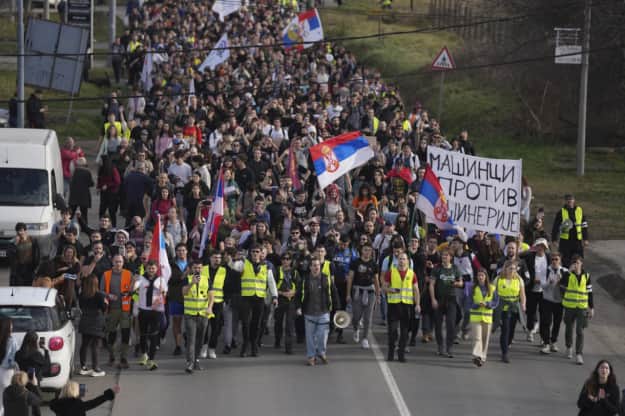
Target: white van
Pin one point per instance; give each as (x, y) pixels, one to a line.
(31, 185)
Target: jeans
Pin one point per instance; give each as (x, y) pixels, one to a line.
(550, 320)
(575, 317)
(363, 312)
(481, 336)
(448, 309)
(317, 328)
(508, 325)
(195, 328)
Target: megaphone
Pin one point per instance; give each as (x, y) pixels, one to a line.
(342, 319)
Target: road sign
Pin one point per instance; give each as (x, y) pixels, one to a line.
(443, 61)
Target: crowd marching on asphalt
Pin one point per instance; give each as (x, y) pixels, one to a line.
(287, 256)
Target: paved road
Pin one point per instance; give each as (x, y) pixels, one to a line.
(359, 382)
(355, 383)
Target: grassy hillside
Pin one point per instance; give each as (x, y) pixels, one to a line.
(487, 110)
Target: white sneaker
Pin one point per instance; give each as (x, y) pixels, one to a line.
(406, 350)
(545, 349)
(553, 348)
(211, 354)
(530, 337)
(85, 371)
(569, 353)
(364, 344)
(579, 359)
(204, 351)
(96, 372)
(357, 336)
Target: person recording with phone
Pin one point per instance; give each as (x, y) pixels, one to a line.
(70, 401)
(22, 394)
(30, 355)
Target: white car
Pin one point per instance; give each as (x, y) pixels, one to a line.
(39, 309)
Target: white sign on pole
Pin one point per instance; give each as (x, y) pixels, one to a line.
(217, 56)
(443, 61)
(568, 46)
(225, 7)
(483, 194)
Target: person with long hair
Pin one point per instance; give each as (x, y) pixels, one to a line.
(600, 394)
(8, 348)
(21, 395)
(66, 270)
(511, 291)
(30, 356)
(483, 300)
(152, 290)
(70, 403)
(92, 305)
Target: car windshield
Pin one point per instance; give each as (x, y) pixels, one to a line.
(36, 318)
(24, 187)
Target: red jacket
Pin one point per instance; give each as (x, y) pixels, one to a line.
(67, 157)
(112, 182)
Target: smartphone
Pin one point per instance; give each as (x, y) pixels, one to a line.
(82, 389)
(31, 373)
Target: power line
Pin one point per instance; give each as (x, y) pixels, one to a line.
(355, 80)
(430, 29)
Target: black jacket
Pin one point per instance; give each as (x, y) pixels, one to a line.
(23, 274)
(34, 359)
(530, 258)
(76, 407)
(302, 297)
(604, 407)
(79, 193)
(17, 400)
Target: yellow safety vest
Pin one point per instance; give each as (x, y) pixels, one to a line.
(132, 45)
(406, 293)
(281, 280)
(196, 300)
(118, 127)
(482, 314)
(135, 295)
(576, 295)
(564, 235)
(218, 283)
(253, 284)
(329, 290)
(406, 125)
(376, 124)
(508, 292)
(325, 269)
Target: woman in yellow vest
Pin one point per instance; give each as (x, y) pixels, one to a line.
(511, 292)
(483, 300)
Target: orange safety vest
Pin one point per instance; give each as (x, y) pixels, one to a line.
(125, 287)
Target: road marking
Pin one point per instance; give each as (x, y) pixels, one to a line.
(402, 407)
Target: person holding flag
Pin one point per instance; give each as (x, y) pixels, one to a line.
(152, 289)
(215, 215)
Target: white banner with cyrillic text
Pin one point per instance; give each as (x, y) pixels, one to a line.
(483, 194)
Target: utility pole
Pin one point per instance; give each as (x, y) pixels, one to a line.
(112, 22)
(20, 63)
(583, 91)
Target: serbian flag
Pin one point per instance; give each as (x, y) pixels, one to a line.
(432, 201)
(158, 251)
(305, 27)
(297, 184)
(215, 215)
(335, 157)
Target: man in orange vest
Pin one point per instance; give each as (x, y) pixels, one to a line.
(117, 286)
